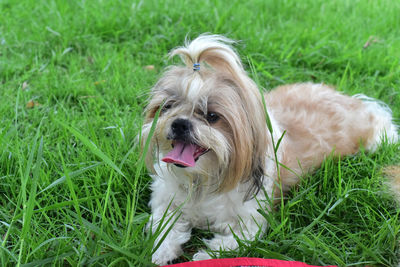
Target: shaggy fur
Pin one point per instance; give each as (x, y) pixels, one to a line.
(211, 152)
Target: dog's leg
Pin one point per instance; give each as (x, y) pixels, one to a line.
(225, 239)
(175, 230)
(219, 242)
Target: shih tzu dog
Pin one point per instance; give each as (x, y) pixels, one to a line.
(212, 144)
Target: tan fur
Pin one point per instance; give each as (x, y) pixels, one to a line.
(318, 121)
(393, 173)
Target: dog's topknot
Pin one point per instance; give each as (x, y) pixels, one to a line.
(213, 50)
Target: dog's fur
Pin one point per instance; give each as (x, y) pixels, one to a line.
(218, 113)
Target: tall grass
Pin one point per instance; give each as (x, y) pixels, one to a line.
(73, 85)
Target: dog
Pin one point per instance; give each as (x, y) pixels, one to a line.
(215, 146)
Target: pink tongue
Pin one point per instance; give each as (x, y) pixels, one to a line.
(181, 154)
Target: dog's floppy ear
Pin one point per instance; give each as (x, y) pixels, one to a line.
(248, 138)
(248, 126)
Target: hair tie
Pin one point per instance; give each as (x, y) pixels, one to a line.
(196, 66)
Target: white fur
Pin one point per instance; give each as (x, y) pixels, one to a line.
(218, 212)
(318, 119)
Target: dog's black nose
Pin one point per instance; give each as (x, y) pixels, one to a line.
(181, 128)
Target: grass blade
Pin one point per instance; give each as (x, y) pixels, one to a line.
(29, 205)
(71, 175)
(138, 172)
(89, 144)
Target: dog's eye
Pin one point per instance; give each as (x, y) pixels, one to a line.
(212, 117)
(166, 106)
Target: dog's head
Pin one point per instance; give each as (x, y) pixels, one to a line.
(211, 119)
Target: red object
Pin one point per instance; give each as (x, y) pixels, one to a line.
(243, 262)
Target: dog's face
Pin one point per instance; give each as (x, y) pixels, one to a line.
(208, 126)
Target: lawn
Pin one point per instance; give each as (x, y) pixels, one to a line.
(74, 80)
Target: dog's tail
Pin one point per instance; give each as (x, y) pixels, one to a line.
(385, 129)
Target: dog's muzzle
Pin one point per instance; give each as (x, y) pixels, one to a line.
(185, 152)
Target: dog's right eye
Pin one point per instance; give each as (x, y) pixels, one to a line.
(166, 106)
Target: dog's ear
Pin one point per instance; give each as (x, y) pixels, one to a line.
(248, 142)
(154, 106)
(149, 154)
(256, 178)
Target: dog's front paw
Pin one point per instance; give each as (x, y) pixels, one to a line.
(163, 258)
(165, 254)
(201, 255)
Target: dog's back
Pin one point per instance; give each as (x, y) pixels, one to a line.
(320, 121)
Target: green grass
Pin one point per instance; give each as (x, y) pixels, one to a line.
(72, 188)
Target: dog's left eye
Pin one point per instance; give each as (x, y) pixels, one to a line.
(166, 107)
(212, 117)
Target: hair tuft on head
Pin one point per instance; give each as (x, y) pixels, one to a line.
(214, 50)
